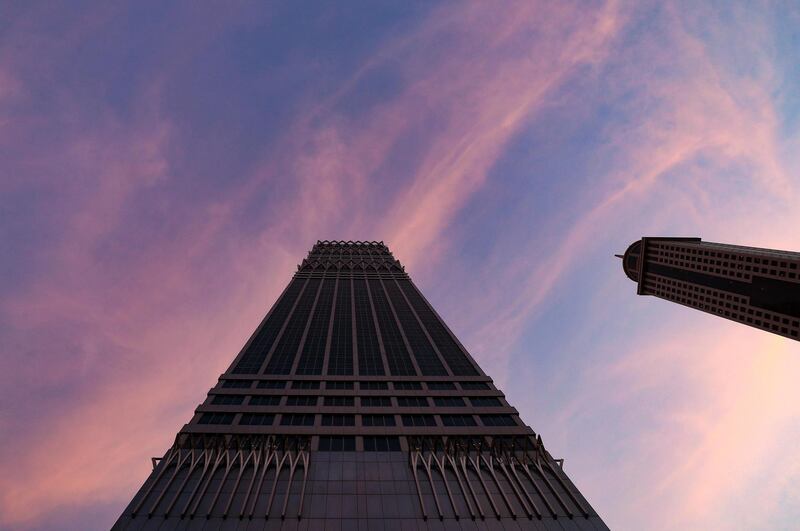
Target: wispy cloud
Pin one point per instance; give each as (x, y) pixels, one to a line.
(684, 133)
(703, 152)
(145, 272)
(128, 335)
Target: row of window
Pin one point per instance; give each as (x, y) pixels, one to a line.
(364, 386)
(349, 401)
(304, 419)
(350, 249)
(360, 267)
(720, 298)
(689, 249)
(339, 443)
(730, 264)
(716, 303)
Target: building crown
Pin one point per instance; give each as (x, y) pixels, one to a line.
(350, 255)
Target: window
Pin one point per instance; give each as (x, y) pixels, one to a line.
(305, 385)
(474, 386)
(313, 352)
(337, 443)
(397, 355)
(297, 419)
(407, 386)
(301, 401)
(236, 384)
(377, 420)
(373, 386)
(369, 353)
(341, 401)
(418, 420)
(257, 419)
(423, 349)
(285, 349)
(381, 444)
(441, 386)
(448, 401)
(254, 355)
(340, 356)
(484, 401)
(340, 386)
(216, 418)
(449, 349)
(263, 400)
(498, 420)
(375, 401)
(338, 420)
(412, 401)
(458, 420)
(227, 400)
(272, 384)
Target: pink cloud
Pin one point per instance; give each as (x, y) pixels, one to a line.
(488, 114)
(731, 407)
(735, 402)
(163, 324)
(700, 112)
(165, 339)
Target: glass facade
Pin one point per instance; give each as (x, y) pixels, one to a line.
(287, 440)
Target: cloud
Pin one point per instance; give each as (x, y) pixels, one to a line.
(148, 280)
(678, 123)
(701, 422)
(698, 417)
(486, 115)
(139, 330)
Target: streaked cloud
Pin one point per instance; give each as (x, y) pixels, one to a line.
(155, 210)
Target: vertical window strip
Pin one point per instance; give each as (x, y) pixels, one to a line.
(284, 354)
(451, 352)
(369, 352)
(396, 354)
(340, 358)
(426, 357)
(256, 352)
(314, 348)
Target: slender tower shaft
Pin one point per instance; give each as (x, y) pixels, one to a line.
(749, 285)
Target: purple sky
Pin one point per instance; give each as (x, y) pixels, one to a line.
(164, 167)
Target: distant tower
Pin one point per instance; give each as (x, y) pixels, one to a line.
(757, 287)
(353, 407)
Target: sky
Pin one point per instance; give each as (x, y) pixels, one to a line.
(164, 166)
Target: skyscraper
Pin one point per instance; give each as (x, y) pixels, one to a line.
(353, 406)
(757, 287)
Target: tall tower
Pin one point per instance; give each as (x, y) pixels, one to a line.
(353, 406)
(757, 287)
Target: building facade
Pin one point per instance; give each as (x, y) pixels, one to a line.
(353, 406)
(749, 285)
